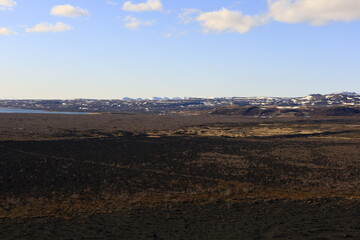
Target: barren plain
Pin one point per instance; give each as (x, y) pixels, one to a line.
(146, 176)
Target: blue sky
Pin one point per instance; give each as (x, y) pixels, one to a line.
(146, 48)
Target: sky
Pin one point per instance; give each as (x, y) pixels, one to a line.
(174, 48)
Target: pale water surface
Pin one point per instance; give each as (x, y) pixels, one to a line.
(19, 110)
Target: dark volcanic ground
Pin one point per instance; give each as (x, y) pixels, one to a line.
(288, 179)
(279, 219)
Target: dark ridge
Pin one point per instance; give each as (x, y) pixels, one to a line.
(270, 111)
(340, 111)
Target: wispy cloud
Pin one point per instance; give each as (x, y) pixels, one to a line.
(48, 27)
(7, 4)
(167, 35)
(6, 32)
(149, 5)
(132, 22)
(112, 3)
(174, 33)
(182, 33)
(69, 11)
(187, 15)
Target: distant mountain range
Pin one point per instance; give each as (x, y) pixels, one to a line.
(167, 105)
(187, 98)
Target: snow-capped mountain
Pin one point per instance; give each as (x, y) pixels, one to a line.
(166, 105)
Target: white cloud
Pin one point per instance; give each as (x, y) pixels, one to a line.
(187, 15)
(149, 5)
(48, 27)
(69, 11)
(226, 20)
(134, 23)
(167, 35)
(315, 12)
(6, 32)
(7, 4)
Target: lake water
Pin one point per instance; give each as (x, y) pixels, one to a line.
(19, 110)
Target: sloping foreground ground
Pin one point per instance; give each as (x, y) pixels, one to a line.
(279, 219)
(180, 187)
(183, 186)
